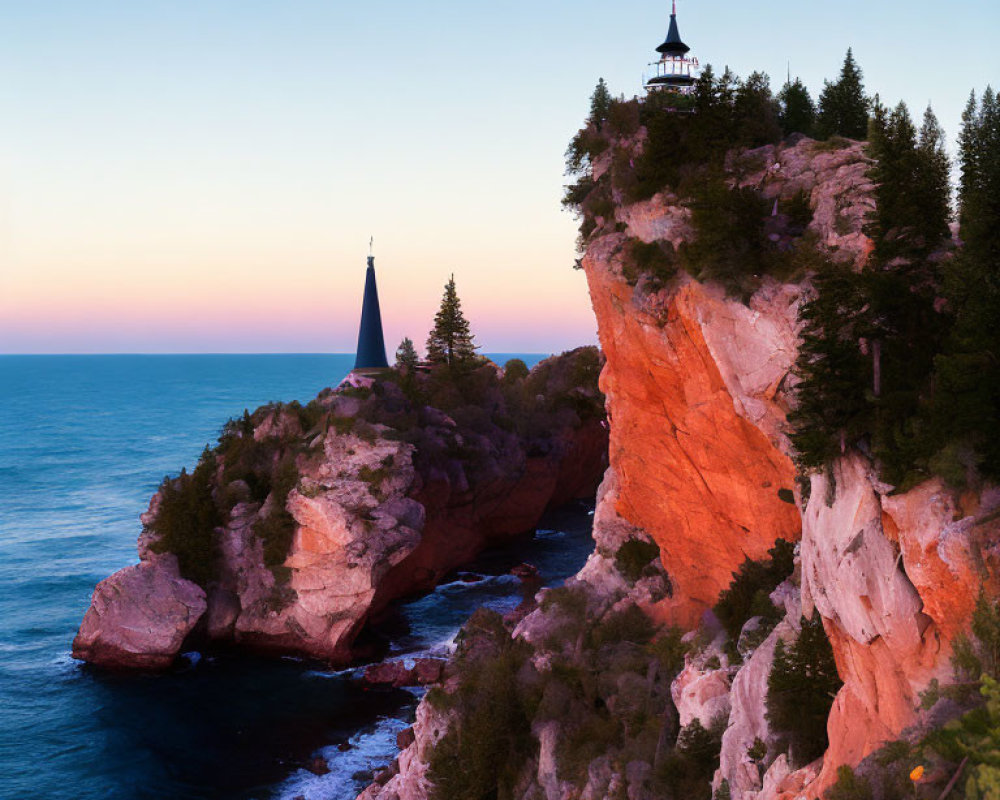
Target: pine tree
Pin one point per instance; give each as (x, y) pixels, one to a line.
(893, 147)
(968, 148)
(843, 106)
(800, 691)
(450, 341)
(834, 375)
(798, 111)
(933, 185)
(967, 396)
(406, 356)
(600, 104)
(756, 112)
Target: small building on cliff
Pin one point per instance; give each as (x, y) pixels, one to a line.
(675, 71)
(371, 343)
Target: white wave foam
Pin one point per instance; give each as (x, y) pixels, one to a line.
(371, 749)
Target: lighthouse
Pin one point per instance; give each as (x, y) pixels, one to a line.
(371, 344)
(675, 71)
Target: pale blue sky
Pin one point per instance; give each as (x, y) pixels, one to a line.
(204, 176)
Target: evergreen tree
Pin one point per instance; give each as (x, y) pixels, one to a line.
(933, 186)
(843, 106)
(968, 147)
(800, 691)
(600, 104)
(798, 111)
(406, 356)
(893, 147)
(967, 392)
(833, 373)
(756, 112)
(450, 341)
(730, 245)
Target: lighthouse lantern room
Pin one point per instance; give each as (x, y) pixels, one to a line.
(675, 71)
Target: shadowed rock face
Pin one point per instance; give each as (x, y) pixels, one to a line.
(372, 517)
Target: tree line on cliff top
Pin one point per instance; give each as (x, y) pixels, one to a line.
(900, 359)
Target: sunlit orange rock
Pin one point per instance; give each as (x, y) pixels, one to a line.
(696, 387)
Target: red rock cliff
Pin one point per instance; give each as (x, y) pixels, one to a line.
(697, 388)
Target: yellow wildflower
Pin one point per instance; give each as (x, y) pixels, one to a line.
(917, 774)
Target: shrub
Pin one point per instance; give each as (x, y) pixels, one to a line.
(656, 259)
(979, 655)
(186, 520)
(687, 771)
(514, 370)
(669, 649)
(277, 529)
(634, 556)
(800, 691)
(628, 625)
(748, 594)
(799, 209)
(481, 755)
(849, 786)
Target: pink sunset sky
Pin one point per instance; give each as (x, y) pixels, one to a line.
(204, 177)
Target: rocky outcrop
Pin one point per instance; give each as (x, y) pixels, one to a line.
(140, 616)
(895, 578)
(349, 533)
(368, 516)
(410, 781)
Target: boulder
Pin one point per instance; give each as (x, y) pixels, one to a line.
(140, 616)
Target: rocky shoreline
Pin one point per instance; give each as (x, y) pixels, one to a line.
(369, 516)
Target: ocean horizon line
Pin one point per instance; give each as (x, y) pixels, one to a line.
(221, 353)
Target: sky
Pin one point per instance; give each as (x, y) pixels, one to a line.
(204, 176)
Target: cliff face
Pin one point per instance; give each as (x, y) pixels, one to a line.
(696, 391)
(370, 517)
(697, 388)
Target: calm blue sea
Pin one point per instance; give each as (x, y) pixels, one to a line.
(84, 441)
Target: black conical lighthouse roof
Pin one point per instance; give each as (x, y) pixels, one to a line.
(371, 344)
(672, 45)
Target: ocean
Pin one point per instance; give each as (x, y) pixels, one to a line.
(84, 442)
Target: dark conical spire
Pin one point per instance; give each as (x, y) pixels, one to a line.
(672, 45)
(371, 344)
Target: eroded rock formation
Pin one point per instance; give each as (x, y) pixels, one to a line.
(369, 517)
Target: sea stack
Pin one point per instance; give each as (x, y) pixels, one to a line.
(371, 343)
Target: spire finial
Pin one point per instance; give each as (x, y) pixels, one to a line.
(371, 246)
(674, 8)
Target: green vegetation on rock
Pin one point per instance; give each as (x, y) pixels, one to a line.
(634, 557)
(899, 360)
(800, 692)
(749, 593)
(186, 520)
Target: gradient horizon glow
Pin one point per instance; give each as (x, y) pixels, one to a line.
(204, 177)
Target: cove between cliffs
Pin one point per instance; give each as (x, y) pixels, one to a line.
(235, 727)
